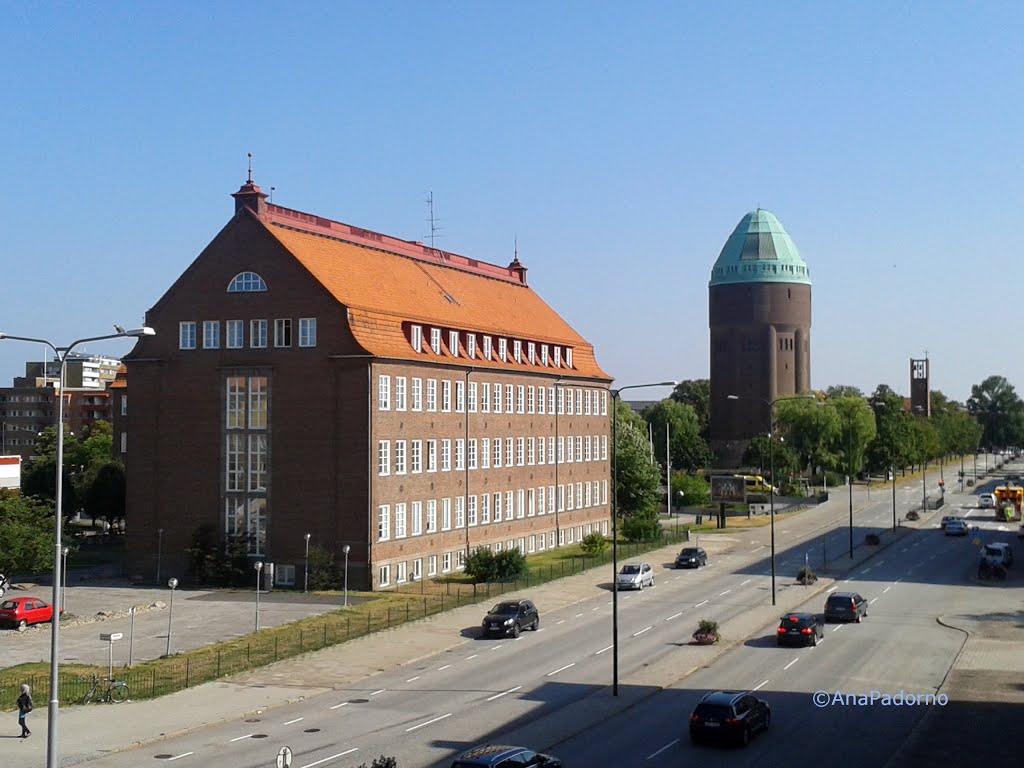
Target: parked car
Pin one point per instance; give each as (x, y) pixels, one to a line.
(504, 756)
(635, 576)
(999, 553)
(956, 528)
(800, 629)
(986, 501)
(691, 557)
(845, 606)
(729, 716)
(511, 617)
(21, 611)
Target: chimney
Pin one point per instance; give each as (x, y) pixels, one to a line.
(517, 269)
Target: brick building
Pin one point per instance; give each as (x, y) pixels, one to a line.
(312, 377)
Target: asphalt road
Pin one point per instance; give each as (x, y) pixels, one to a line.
(483, 689)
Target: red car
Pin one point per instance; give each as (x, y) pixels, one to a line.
(21, 611)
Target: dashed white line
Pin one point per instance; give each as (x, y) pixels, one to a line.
(872, 601)
(831, 589)
(240, 738)
(877, 563)
(794, 661)
(332, 757)
(339, 706)
(560, 622)
(760, 685)
(504, 693)
(837, 628)
(578, 615)
(645, 629)
(606, 648)
(178, 757)
(674, 616)
(292, 722)
(670, 744)
(429, 722)
(472, 657)
(382, 690)
(499, 645)
(745, 582)
(442, 669)
(703, 602)
(724, 593)
(886, 590)
(413, 679)
(562, 669)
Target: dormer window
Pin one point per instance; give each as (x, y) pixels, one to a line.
(568, 357)
(453, 343)
(517, 350)
(487, 347)
(471, 345)
(503, 349)
(246, 282)
(435, 340)
(417, 338)
(531, 353)
(543, 354)
(558, 357)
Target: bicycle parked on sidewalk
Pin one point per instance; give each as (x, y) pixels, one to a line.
(115, 691)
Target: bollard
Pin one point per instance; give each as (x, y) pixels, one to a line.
(218, 662)
(325, 636)
(407, 610)
(188, 670)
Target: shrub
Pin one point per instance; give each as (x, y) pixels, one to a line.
(510, 564)
(642, 528)
(323, 571)
(481, 565)
(913, 515)
(707, 627)
(382, 762)
(696, 490)
(806, 575)
(594, 544)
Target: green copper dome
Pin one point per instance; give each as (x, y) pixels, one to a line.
(759, 250)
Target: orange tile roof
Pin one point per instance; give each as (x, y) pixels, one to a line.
(383, 288)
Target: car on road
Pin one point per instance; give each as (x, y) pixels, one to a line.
(949, 518)
(729, 716)
(511, 617)
(999, 553)
(846, 606)
(504, 756)
(956, 528)
(21, 611)
(635, 576)
(800, 629)
(691, 557)
(986, 501)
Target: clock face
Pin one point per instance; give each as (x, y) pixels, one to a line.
(919, 369)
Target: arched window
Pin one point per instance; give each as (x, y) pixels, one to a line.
(246, 282)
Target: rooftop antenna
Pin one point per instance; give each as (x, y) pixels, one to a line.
(250, 167)
(272, 194)
(515, 253)
(434, 229)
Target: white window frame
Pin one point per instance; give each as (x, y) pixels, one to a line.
(257, 334)
(471, 345)
(446, 396)
(446, 455)
(187, 334)
(282, 332)
(431, 515)
(485, 453)
(487, 347)
(521, 504)
(446, 562)
(579, 448)
(416, 334)
(384, 576)
(400, 520)
(520, 399)
(509, 399)
(557, 352)
(471, 396)
(485, 508)
(471, 512)
(417, 394)
(307, 332)
(531, 451)
(446, 514)
(541, 453)
(472, 457)
(520, 451)
(431, 395)
(383, 458)
(517, 351)
(435, 340)
(416, 457)
(211, 334)
(551, 400)
(503, 349)
(531, 352)
(497, 452)
(401, 393)
(509, 452)
(531, 401)
(453, 343)
(531, 502)
(431, 455)
(497, 397)
(460, 454)
(234, 334)
(383, 392)
(460, 396)
(604, 447)
(431, 565)
(460, 512)
(485, 397)
(497, 507)
(384, 522)
(544, 354)
(568, 357)
(400, 457)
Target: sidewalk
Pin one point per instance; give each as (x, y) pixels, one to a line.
(87, 732)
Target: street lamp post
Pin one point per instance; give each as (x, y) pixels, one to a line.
(346, 549)
(53, 714)
(894, 497)
(159, 551)
(615, 527)
(306, 587)
(259, 569)
(173, 584)
(849, 479)
(64, 583)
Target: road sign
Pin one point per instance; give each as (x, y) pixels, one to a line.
(728, 489)
(284, 757)
(112, 637)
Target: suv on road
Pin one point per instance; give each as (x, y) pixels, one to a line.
(999, 553)
(504, 756)
(800, 629)
(635, 576)
(986, 501)
(691, 557)
(511, 617)
(729, 716)
(845, 606)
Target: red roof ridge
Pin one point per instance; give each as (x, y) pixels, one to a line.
(336, 230)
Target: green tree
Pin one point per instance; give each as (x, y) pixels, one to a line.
(840, 391)
(696, 393)
(637, 478)
(594, 544)
(696, 490)
(481, 566)
(510, 564)
(811, 428)
(26, 534)
(689, 451)
(103, 493)
(858, 429)
(757, 455)
(323, 569)
(999, 411)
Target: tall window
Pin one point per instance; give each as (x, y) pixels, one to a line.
(307, 331)
(453, 343)
(236, 334)
(543, 354)
(568, 357)
(497, 507)
(460, 396)
(497, 398)
(520, 450)
(540, 450)
(435, 340)
(211, 334)
(531, 452)
(247, 463)
(258, 334)
(604, 403)
(446, 514)
(432, 516)
(400, 521)
(460, 511)
(417, 394)
(383, 457)
(446, 455)
(503, 349)
(530, 399)
(283, 332)
(472, 396)
(187, 335)
(558, 357)
(487, 347)
(551, 400)
(517, 350)
(485, 453)
(509, 448)
(383, 393)
(416, 456)
(471, 345)
(485, 509)
(485, 397)
(541, 400)
(508, 399)
(472, 453)
(417, 338)
(431, 455)
(245, 282)
(579, 448)
(416, 521)
(383, 522)
(400, 393)
(460, 454)
(472, 511)
(431, 395)
(497, 453)
(446, 396)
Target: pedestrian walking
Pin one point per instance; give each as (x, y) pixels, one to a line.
(24, 707)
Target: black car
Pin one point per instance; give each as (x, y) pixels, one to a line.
(729, 716)
(691, 557)
(800, 629)
(504, 756)
(845, 606)
(510, 618)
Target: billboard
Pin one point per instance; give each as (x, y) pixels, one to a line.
(10, 472)
(728, 489)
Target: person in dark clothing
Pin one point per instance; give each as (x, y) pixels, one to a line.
(24, 707)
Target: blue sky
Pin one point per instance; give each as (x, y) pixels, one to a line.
(619, 142)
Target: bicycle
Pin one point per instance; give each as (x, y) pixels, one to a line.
(116, 691)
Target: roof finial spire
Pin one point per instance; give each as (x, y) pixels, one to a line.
(250, 167)
(515, 241)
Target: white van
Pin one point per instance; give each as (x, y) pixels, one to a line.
(986, 501)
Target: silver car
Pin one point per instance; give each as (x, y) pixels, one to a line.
(635, 576)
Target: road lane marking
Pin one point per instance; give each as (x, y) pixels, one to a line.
(760, 685)
(442, 669)
(670, 744)
(837, 628)
(380, 691)
(429, 722)
(724, 593)
(338, 706)
(292, 722)
(239, 738)
(178, 757)
(645, 629)
(794, 661)
(578, 615)
(606, 648)
(499, 645)
(562, 669)
(878, 563)
(332, 757)
(674, 616)
(596, 607)
(886, 590)
(413, 679)
(472, 657)
(504, 693)
(918, 565)
(830, 589)
(560, 622)
(698, 605)
(745, 582)
(872, 600)
(757, 548)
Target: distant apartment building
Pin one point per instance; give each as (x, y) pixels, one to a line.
(81, 371)
(412, 404)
